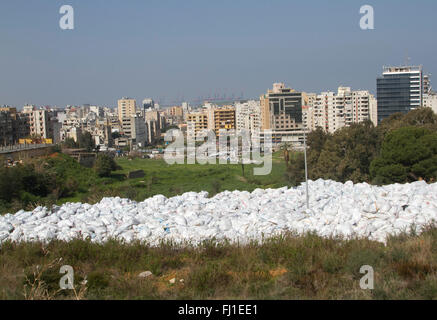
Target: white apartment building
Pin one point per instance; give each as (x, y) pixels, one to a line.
(40, 123)
(248, 116)
(332, 111)
(98, 111)
(430, 101)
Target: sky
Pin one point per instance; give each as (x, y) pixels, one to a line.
(183, 50)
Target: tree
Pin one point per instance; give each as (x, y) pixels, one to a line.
(104, 165)
(344, 155)
(421, 117)
(86, 141)
(317, 139)
(402, 148)
(407, 154)
(296, 170)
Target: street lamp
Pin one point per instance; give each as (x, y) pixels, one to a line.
(306, 166)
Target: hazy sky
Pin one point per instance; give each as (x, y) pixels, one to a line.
(187, 49)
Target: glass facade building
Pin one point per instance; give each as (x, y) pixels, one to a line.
(400, 89)
(287, 102)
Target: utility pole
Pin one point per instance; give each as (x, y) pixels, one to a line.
(306, 167)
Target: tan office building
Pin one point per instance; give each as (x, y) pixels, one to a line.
(281, 108)
(281, 113)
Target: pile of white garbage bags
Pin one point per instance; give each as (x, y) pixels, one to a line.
(346, 210)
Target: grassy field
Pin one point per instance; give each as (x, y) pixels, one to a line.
(289, 267)
(172, 180)
(80, 184)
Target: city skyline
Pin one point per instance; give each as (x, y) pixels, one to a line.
(200, 49)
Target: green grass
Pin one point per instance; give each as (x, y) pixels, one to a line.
(172, 180)
(286, 267)
(160, 178)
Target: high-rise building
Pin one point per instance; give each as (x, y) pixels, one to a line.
(186, 108)
(196, 123)
(43, 123)
(151, 131)
(281, 108)
(400, 89)
(28, 108)
(221, 118)
(430, 101)
(148, 104)
(39, 123)
(281, 113)
(248, 116)
(139, 132)
(13, 125)
(429, 96)
(156, 123)
(332, 111)
(6, 128)
(427, 89)
(176, 111)
(97, 110)
(126, 108)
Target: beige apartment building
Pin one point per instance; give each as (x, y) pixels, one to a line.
(176, 111)
(221, 118)
(126, 108)
(196, 123)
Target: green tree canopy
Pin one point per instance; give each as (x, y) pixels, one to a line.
(86, 141)
(104, 165)
(407, 154)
